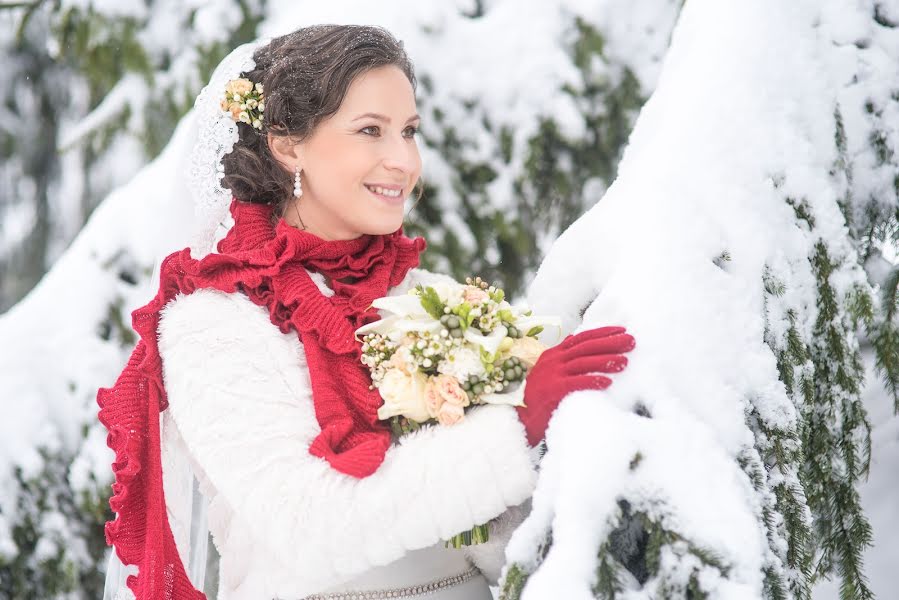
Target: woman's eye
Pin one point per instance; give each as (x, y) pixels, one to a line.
(375, 130)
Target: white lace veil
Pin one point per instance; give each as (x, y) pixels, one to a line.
(215, 135)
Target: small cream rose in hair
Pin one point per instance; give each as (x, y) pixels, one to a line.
(244, 102)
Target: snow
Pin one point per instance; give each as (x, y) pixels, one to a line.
(130, 91)
(513, 61)
(879, 493)
(740, 119)
(55, 360)
(742, 116)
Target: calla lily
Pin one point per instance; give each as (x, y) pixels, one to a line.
(404, 305)
(419, 325)
(525, 324)
(491, 342)
(396, 324)
(407, 315)
(512, 398)
(380, 326)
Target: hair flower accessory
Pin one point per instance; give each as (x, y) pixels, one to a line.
(244, 101)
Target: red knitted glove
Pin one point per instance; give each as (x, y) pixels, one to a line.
(564, 368)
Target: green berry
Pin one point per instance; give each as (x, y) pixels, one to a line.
(456, 333)
(478, 389)
(453, 322)
(510, 374)
(518, 371)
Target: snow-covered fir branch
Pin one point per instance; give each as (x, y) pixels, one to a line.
(732, 243)
(745, 242)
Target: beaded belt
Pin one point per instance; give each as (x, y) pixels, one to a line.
(407, 592)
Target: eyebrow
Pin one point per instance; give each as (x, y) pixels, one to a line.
(383, 118)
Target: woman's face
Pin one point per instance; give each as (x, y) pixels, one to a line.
(360, 164)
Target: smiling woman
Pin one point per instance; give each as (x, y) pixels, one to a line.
(336, 154)
(357, 167)
(246, 399)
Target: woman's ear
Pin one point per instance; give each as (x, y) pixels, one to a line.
(284, 150)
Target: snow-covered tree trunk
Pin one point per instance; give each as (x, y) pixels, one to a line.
(760, 180)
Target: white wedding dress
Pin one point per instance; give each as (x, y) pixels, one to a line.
(287, 525)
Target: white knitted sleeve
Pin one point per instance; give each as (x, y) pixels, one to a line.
(239, 392)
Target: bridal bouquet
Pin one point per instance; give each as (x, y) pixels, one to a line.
(442, 349)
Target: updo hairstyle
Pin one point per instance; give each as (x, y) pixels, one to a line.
(305, 76)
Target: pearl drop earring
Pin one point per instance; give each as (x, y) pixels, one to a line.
(297, 185)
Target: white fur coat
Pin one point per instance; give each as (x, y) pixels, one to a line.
(285, 523)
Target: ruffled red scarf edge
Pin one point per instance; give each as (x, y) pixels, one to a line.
(130, 410)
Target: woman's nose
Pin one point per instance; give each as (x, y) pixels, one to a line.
(401, 154)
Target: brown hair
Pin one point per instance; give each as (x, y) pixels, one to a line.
(305, 76)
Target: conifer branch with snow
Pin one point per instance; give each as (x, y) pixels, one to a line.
(743, 283)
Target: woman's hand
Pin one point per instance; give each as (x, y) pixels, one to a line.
(567, 367)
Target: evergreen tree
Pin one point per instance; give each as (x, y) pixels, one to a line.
(823, 277)
(90, 95)
(510, 163)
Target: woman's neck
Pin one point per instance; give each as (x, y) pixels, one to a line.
(312, 222)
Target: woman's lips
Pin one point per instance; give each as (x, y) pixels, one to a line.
(391, 200)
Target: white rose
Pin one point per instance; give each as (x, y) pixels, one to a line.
(404, 395)
(450, 293)
(527, 350)
(465, 363)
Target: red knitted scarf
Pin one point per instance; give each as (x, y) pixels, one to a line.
(268, 264)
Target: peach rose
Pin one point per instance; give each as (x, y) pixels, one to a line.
(450, 390)
(403, 394)
(527, 350)
(239, 86)
(433, 399)
(474, 295)
(234, 107)
(450, 414)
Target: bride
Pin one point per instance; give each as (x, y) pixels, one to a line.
(244, 412)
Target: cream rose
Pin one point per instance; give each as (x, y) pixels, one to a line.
(403, 394)
(527, 350)
(433, 399)
(451, 391)
(450, 414)
(239, 86)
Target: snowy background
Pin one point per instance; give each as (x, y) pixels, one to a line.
(697, 159)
